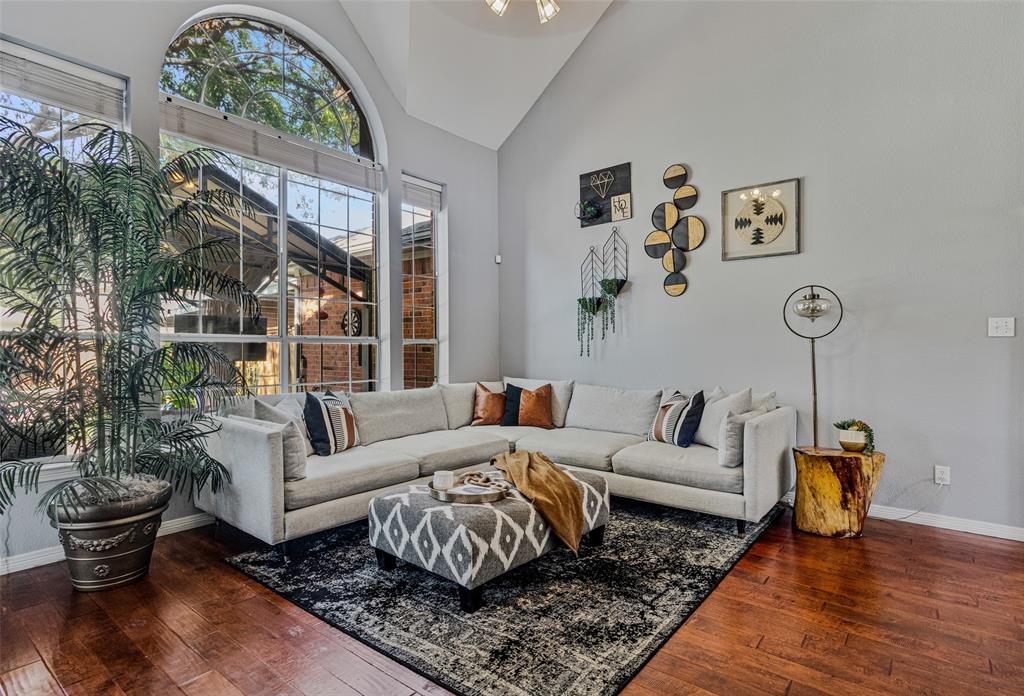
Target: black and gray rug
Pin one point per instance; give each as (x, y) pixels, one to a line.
(558, 625)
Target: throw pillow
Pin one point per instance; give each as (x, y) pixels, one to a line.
(284, 412)
(535, 407)
(458, 403)
(332, 427)
(488, 407)
(716, 411)
(512, 396)
(730, 436)
(677, 420)
(765, 400)
(293, 449)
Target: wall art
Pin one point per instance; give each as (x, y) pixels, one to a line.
(609, 191)
(674, 233)
(603, 275)
(762, 220)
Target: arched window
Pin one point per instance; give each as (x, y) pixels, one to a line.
(256, 70)
(298, 152)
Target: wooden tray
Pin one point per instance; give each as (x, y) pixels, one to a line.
(449, 497)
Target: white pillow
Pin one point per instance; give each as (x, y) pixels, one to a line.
(765, 400)
(291, 445)
(715, 413)
(730, 437)
(287, 410)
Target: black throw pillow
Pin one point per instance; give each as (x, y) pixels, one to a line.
(512, 396)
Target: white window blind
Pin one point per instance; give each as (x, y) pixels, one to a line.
(35, 75)
(421, 193)
(244, 137)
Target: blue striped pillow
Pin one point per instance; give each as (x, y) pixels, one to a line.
(677, 420)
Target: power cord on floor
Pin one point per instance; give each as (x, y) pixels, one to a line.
(934, 497)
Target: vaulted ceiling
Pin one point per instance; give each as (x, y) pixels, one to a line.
(457, 65)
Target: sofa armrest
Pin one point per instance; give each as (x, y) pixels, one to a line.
(254, 499)
(767, 452)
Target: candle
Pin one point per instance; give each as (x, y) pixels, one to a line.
(443, 480)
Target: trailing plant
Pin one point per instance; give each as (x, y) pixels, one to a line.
(587, 210)
(609, 292)
(855, 424)
(92, 250)
(586, 309)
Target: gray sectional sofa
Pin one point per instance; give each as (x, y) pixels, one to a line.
(405, 436)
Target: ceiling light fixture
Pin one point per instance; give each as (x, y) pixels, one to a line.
(498, 7)
(546, 9)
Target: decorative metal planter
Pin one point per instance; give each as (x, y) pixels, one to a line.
(110, 545)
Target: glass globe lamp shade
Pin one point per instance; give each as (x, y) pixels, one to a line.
(812, 306)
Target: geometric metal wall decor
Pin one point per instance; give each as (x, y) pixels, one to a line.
(605, 195)
(761, 220)
(675, 233)
(603, 274)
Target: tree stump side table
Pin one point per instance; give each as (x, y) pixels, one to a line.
(834, 490)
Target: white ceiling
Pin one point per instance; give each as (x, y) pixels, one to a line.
(457, 65)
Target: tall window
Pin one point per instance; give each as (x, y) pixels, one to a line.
(298, 154)
(50, 97)
(421, 207)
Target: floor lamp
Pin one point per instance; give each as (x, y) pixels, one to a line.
(815, 314)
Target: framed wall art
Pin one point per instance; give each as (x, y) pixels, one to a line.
(607, 193)
(761, 220)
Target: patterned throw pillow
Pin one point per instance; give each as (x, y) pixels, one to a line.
(677, 420)
(331, 425)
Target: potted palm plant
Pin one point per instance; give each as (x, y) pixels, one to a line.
(92, 250)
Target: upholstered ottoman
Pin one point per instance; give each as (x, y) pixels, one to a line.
(471, 544)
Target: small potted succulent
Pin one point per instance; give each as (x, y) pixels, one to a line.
(856, 436)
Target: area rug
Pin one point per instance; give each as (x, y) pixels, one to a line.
(559, 625)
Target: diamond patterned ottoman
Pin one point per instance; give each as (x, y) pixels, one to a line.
(471, 544)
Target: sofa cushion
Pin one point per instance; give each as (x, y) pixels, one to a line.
(387, 415)
(613, 410)
(293, 447)
(512, 433)
(458, 403)
(285, 411)
(730, 436)
(446, 449)
(695, 466)
(561, 395)
(346, 473)
(715, 412)
(588, 449)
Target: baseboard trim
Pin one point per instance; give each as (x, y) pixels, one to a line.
(931, 519)
(53, 554)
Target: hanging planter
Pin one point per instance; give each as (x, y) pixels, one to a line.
(614, 274)
(586, 309)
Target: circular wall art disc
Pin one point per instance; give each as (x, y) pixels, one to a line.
(665, 217)
(674, 260)
(657, 243)
(689, 233)
(760, 221)
(685, 197)
(675, 176)
(675, 284)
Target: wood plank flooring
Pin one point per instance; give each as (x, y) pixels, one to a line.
(906, 610)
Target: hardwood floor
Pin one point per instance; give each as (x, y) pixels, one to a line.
(906, 610)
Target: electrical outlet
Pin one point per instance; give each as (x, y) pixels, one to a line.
(497, 259)
(1002, 327)
(942, 475)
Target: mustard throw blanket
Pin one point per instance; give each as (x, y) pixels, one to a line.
(551, 490)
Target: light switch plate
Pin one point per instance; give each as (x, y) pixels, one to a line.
(1002, 327)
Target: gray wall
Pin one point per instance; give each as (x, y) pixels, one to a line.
(904, 121)
(130, 38)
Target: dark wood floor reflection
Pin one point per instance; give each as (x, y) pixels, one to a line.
(907, 609)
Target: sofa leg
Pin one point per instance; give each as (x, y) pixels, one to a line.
(741, 527)
(283, 548)
(470, 599)
(596, 536)
(385, 561)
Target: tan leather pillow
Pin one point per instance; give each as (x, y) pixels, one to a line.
(535, 407)
(488, 407)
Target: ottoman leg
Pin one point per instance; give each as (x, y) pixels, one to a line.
(470, 599)
(385, 561)
(596, 536)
